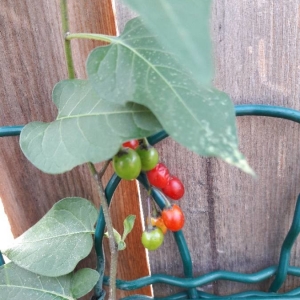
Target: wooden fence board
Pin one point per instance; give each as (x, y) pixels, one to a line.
(31, 62)
(235, 222)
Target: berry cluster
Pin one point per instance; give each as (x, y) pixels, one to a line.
(135, 157)
(170, 185)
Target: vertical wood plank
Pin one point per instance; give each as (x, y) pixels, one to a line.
(257, 62)
(32, 61)
(235, 222)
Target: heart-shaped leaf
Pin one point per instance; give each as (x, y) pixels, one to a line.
(182, 27)
(86, 129)
(135, 67)
(19, 284)
(55, 244)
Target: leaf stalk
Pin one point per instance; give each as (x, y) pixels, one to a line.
(90, 36)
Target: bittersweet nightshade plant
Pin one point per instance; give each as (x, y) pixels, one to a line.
(156, 75)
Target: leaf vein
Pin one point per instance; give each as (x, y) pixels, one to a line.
(162, 77)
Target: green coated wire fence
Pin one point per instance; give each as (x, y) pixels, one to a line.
(190, 283)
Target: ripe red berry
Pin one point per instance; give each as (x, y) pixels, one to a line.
(159, 176)
(173, 217)
(133, 144)
(174, 188)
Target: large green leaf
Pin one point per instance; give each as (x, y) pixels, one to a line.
(183, 27)
(135, 67)
(55, 244)
(86, 129)
(19, 284)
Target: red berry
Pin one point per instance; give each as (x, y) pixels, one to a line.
(173, 217)
(159, 176)
(133, 144)
(174, 188)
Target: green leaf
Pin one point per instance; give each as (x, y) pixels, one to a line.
(121, 246)
(55, 244)
(128, 225)
(183, 27)
(135, 67)
(83, 282)
(86, 129)
(19, 284)
(116, 235)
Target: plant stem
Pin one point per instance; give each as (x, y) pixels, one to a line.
(113, 275)
(145, 142)
(112, 243)
(149, 224)
(104, 168)
(91, 36)
(65, 28)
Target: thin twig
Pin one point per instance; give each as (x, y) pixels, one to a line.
(104, 168)
(113, 247)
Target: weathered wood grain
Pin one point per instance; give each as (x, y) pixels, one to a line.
(31, 62)
(236, 222)
(257, 62)
(233, 222)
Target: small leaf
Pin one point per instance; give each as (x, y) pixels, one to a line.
(55, 244)
(19, 284)
(116, 235)
(135, 67)
(128, 225)
(83, 282)
(183, 27)
(86, 129)
(121, 245)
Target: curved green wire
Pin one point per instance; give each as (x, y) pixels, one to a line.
(2, 262)
(202, 279)
(286, 250)
(241, 110)
(10, 130)
(281, 271)
(257, 295)
(178, 235)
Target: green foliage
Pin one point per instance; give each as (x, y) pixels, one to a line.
(54, 245)
(156, 75)
(133, 73)
(86, 129)
(182, 27)
(18, 284)
(135, 67)
(83, 281)
(128, 226)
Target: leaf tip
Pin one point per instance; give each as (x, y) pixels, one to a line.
(237, 159)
